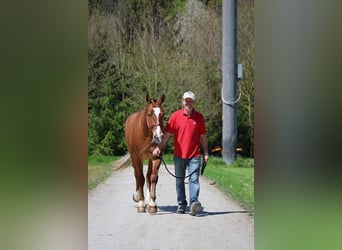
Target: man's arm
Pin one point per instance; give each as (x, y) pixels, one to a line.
(204, 144)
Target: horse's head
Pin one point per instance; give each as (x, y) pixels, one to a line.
(154, 118)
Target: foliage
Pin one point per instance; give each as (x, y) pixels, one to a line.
(162, 47)
(105, 100)
(246, 57)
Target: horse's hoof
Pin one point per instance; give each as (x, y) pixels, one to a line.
(152, 209)
(141, 209)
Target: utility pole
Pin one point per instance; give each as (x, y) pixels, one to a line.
(229, 80)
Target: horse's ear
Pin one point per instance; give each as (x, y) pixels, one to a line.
(148, 98)
(161, 99)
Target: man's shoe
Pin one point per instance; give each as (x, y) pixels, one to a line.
(195, 208)
(181, 209)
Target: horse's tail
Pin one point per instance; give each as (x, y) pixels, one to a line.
(123, 162)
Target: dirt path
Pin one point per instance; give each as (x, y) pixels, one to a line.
(113, 221)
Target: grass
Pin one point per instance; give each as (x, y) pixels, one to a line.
(235, 180)
(99, 168)
(168, 158)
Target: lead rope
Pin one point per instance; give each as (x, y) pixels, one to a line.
(172, 174)
(179, 177)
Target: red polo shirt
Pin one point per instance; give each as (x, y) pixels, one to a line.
(186, 131)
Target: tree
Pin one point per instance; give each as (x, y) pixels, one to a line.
(105, 98)
(161, 47)
(246, 57)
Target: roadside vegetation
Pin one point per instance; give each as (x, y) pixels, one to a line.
(99, 168)
(235, 180)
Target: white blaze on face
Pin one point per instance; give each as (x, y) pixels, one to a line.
(156, 113)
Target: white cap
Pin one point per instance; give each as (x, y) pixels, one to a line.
(189, 94)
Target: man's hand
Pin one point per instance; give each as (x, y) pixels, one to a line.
(156, 151)
(206, 157)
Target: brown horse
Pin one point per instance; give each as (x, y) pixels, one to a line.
(143, 132)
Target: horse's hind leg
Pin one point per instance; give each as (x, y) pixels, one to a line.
(139, 181)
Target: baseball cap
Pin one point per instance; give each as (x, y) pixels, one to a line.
(189, 94)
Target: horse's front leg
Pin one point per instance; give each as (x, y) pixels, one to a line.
(148, 182)
(153, 180)
(140, 181)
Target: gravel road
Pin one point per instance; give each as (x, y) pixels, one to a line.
(113, 221)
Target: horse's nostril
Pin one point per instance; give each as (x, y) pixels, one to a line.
(156, 139)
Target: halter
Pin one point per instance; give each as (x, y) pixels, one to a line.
(152, 126)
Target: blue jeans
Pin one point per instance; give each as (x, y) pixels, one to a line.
(194, 186)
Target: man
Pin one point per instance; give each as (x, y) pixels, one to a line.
(189, 132)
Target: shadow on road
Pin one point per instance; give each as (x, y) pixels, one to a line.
(205, 213)
(173, 209)
(167, 209)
